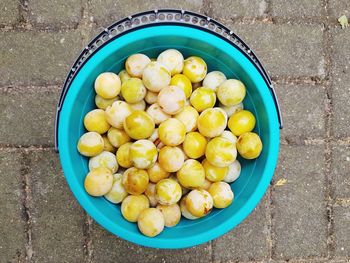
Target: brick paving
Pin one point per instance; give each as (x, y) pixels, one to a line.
(307, 55)
(103, 242)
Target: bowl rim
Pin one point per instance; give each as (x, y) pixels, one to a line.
(250, 204)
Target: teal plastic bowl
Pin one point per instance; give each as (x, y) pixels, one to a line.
(151, 33)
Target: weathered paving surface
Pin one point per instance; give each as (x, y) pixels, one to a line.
(307, 54)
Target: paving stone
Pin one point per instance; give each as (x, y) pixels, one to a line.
(342, 231)
(57, 227)
(103, 241)
(299, 207)
(286, 50)
(338, 8)
(341, 79)
(108, 11)
(9, 12)
(302, 111)
(299, 213)
(246, 242)
(340, 171)
(12, 222)
(37, 58)
(233, 8)
(296, 9)
(28, 115)
(55, 13)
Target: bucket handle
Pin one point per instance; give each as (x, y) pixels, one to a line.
(161, 17)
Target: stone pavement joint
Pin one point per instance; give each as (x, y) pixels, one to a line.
(342, 141)
(26, 27)
(25, 164)
(32, 88)
(313, 141)
(245, 20)
(29, 147)
(88, 245)
(211, 249)
(302, 141)
(327, 49)
(50, 27)
(299, 80)
(311, 21)
(23, 11)
(344, 202)
(270, 234)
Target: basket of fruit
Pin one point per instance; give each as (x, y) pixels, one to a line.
(168, 129)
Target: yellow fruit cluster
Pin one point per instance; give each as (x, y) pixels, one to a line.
(176, 130)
